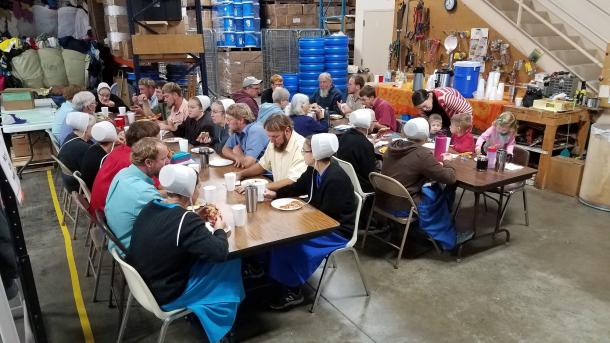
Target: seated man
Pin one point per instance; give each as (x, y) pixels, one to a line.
(172, 95)
(76, 145)
(327, 96)
(384, 112)
(356, 149)
(248, 138)
(267, 94)
(117, 160)
(132, 188)
(147, 88)
(251, 88)
(283, 156)
(280, 101)
(413, 165)
(353, 101)
(192, 271)
(60, 129)
(330, 190)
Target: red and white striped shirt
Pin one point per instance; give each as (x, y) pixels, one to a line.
(452, 101)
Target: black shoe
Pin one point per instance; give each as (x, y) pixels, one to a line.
(252, 271)
(288, 300)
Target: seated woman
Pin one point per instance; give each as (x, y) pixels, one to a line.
(329, 189)
(106, 99)
(192, 271)
(104, 133)
(221, 127)
(304, 124)
(76, 145)
(414, 165)
(198, 127)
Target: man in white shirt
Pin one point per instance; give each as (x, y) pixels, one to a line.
(283, 156)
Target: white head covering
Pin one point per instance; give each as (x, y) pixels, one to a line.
(78, 120)
(205, 101)
(226, 103)
(102, 85)
(324, 145)
(104, 132)
(417, 128)
(362, 118)
(178, 179)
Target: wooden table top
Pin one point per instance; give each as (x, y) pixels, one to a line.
(267, 226)
(468, 177)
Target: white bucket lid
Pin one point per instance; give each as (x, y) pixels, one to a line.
(471, 64)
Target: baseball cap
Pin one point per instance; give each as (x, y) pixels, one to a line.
(251, 80)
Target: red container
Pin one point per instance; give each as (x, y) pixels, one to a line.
(119, 122)
(440, 147)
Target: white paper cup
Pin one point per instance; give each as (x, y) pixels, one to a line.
(230, 181)
(122, 110)
(105, 110)
(126, 128)
(184, 144)
(518, 102)
(208, 193)
(260, 191)
(131, 116)
(239, 214)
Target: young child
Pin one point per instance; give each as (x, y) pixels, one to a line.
(501, 134)
(461, 135)
(436, 125)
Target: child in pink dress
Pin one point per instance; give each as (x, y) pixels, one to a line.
(501, 134)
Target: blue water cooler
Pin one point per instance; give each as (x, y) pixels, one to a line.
(466, 77)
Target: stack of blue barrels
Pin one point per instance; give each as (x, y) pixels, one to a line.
(291, 83)
(238, 18)
(224, 23)
(252, 22)
(336, 50)
(311, 64)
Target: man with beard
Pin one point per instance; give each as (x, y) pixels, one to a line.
(327, 96)
(248, 140)
(283, 156)
(172, 94)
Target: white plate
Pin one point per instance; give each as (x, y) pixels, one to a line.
(278, 203)
(335, 116)
(249, 182)
(171, 140)
(199, 150)
(343, 127)
(220, 162)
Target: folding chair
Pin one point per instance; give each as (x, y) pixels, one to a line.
(386, 185)
(84, 190)
(66, 198)
(351, 172)
(54, 142)
(140, 291)
(520, 157)
(348, 247)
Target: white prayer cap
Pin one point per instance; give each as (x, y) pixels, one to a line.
(78, 120)
(417, 129)
(205, 101)
(362, 118)
(104, 132)
(102, 85)
(178, 179)
(324, 145)
(226, 103)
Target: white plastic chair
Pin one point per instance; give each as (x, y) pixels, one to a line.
(348, 168)
(348, 247)
(84, 190)
(140, 291)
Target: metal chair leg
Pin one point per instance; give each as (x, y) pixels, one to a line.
(402, 242)
(485, 203)
(457, 207)
(368, 224)
(527, 215)
(366, 288)
(75, 224)
(164, 327)
(90, 257)
(319, 288)
(98, 270)
(125, 318)
(505, 207)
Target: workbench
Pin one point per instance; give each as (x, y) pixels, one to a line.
(551, 121)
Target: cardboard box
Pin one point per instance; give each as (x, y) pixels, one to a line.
(21, 145)
(234, 66)
(166, 44)
(290, 15)
(206, 19)
(564, 175)
(14, 99)
(164, 27)
(116, 23)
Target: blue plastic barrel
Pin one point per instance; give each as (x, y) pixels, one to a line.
(338, 73)
(336, 65)
(336, 50)
(251, 9)
(238, 10)
(224, 9)
(239, 39)
(291, 80)
(235, 2)
(466, 77)
(308, 90)
(311, 59)
(309, 76)
(340, 41)
(311, 52)
(252, 24)
(308, 83)
(311, 43)
(336, 58)
(239, 24)
(316, 67)
(228, 24)
(252, 39)
(227, 39)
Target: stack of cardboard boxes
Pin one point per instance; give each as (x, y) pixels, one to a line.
(289, 16)
(234, 66)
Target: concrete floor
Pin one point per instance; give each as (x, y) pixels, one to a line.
(549, 285)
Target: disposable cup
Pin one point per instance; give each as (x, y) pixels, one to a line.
(260, 191)
(131, 116)
(208, 193)
(122, 110)
(105, 110)
(239, 214)
(518, 102)
(184, 145)
(230, 181)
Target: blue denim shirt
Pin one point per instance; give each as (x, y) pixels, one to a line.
(252, 139)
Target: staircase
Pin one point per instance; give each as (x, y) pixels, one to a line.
(579, 49)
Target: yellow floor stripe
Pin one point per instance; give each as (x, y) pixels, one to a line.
(78, 296)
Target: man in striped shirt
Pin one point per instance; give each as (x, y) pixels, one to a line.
(445, 101)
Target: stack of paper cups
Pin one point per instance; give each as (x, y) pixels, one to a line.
(480, 89)
(500, 91)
